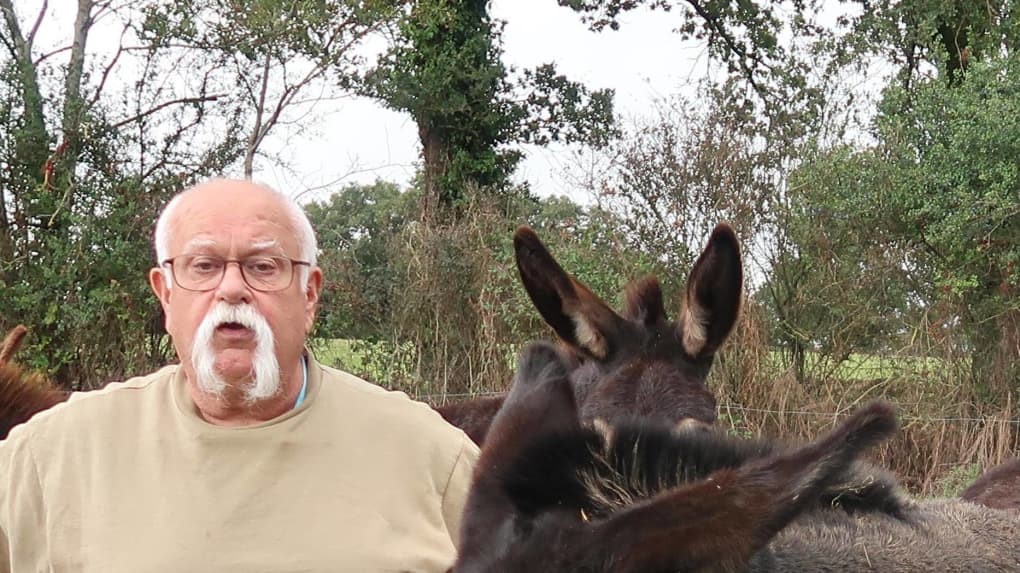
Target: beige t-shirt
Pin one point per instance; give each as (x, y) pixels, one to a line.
(129, 479)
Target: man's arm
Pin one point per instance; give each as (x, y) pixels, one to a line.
(22, 516)
(456, 492)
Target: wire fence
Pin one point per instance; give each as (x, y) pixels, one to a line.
(730, 407)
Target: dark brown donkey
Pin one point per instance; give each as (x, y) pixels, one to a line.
(552, 495)
(638, 363)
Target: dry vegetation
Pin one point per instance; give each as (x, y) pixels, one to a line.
(947, 433)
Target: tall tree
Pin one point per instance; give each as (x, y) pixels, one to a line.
(86, 159)
(445, 69)
(942, 186)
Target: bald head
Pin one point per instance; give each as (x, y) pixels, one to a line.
(223, 194)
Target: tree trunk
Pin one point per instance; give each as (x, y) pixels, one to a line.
(31, 144)
(32, 141)
(65, 157)
(435, 155)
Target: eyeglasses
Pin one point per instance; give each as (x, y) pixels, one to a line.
(204, 273)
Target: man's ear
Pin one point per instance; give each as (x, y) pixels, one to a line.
(312, 292)
(158, 282)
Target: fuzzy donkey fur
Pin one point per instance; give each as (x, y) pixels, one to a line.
(552, 495)
(999, 487)
(638, 363)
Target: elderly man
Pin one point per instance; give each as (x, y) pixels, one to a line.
(249, 455)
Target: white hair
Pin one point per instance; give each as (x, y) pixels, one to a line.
(307, 243)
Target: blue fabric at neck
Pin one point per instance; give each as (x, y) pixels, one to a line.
(304, 384)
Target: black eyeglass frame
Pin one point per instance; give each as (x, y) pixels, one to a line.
(294, 263)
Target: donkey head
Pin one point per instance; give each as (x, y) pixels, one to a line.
(552, 495)
(640, 363)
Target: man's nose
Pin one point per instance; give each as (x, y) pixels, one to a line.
(233, 288)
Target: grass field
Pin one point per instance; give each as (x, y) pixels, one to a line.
(352, 355)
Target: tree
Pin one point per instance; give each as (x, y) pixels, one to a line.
(674, 176)
(284, 56)
(445, 71)
(88, 158)
(943, 183)
(357, 227)
(921, 36)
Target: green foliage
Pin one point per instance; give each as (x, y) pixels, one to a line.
(356, 226)
(254, 29)
(957, 479)
(445, 70)
(85, 171)
(936, 206)
(922, 36)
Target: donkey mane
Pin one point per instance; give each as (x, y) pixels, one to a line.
(601, 472)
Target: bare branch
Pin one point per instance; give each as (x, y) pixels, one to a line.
(19, 48)
(733, 46)
(38, 22)
(10, 46)
(109, 67)
(260, 106)
(48, 55)
(164, 105)
(75, 67)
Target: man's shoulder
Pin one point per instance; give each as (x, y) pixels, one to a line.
(384, 406)
(95, 403)
(136, 383)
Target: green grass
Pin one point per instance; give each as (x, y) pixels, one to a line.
(861, 367)
(347, 354)
(355, 356)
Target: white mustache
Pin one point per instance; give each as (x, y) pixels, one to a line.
(243, 314)
(265, 370)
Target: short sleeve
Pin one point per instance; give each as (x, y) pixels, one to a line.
(457, 487)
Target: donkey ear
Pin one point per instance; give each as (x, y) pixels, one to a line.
(12, 342)
(540, 403)
(578, 316)
(714, 289)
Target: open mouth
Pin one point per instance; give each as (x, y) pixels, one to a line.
(234, 327)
